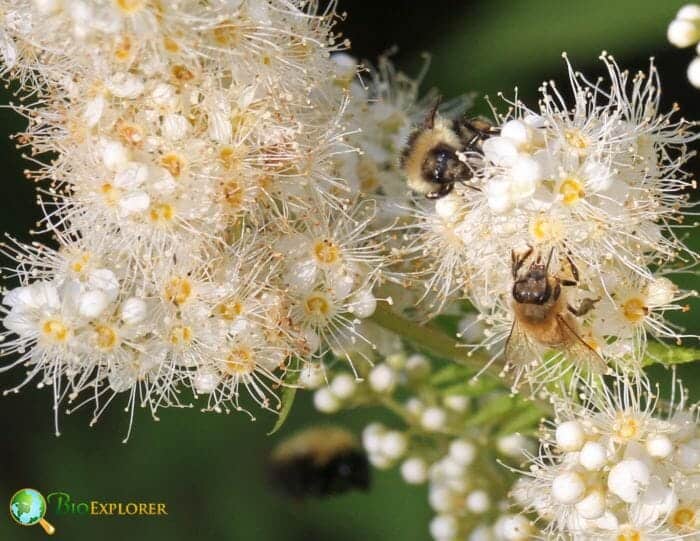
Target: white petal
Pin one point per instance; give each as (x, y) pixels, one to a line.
(220, 129)
(131, 176)
(134, 202)
(92, 304)
(500, 150)
(302, 275)
(93, 111)
(115, 156)
(125, 85)
(175, 127)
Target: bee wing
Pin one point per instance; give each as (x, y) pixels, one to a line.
(579, 349)
(519, 350)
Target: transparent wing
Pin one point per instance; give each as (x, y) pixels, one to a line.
(579, 350)
(520, 350)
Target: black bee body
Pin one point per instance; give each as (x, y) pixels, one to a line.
(319, 462)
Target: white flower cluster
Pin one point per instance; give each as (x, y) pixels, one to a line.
(441, 444)
(684, 31)
(596, 189)
(191, 155)
(620, 465)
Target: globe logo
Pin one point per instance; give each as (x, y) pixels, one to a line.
(28, 507)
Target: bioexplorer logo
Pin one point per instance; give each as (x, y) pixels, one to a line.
(28, 508)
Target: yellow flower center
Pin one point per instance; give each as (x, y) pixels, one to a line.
(240, 362)
(629, 535)
(130, 6)
(230, 310)
(161, 212)
(571, 191)
(576, 139)
(171, 45)
(106, 337)
(80, 262)
(326, 252)
(180, 334)
(122, 50)
(232, 158)
(227, 34)
(173, 163)
(634, 310)
(544, 228)
(233, 193)
(684, 519)
(178, 290)
(181, 74)
(626, 428)
(110, 194)
(317, 305)
(130, 133)
(55, 330)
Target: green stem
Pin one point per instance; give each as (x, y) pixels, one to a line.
(430, 339)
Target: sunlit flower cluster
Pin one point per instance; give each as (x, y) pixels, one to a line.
(621, 464)
(188, 155)
(592, 188)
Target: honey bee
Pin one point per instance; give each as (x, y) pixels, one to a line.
(542, 315)
(319, 462)
(433, 159)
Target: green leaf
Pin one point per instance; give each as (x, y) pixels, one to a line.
(288, 395)
(529, 419)
(450, 374)
(494, 409)
(473, 387)
(668, 355)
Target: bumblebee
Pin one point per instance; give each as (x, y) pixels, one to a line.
(542, 315)
(434, 157)
(319, 462)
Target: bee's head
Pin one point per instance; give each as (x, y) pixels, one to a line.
(534, 286)
(443, 166)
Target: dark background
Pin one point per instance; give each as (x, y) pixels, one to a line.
(209, 468)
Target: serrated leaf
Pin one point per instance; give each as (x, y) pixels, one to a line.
(658, 353)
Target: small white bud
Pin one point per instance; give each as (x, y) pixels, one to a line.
(568, 488)
(382, 379)
(380, 461)
(688, 455)
(414, 406)
(325, 401)
(446, 207)
(478, 502)
(682, 33)
(343, 386)
(433, 418)
(441, 499)
(205, 381)
(134, 311)
(397, 361)
(463, 451)
(175, 127)
(659, 446)
(311, 376)
(363, 304)
(114, 155)
(513, 528)
(570, 436)
(93, 303)
(593, 456)
(417, 366)
(393, 444)
(592, 506)
(444, 527)
(513, 445)
(689, 12)
(694, 72)
(628, 479)
(456, 402)
(414, 471)
(372, 437)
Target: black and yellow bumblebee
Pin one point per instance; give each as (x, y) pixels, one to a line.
(319, 462)
(431, 158)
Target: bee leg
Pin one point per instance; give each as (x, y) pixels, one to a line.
(574, 268)
(586, 306)
(569, 283)
(441, 192)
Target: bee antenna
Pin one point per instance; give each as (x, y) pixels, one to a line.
(430, 120)
(549, 257)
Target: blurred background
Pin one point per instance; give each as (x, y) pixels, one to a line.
(209, 468)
